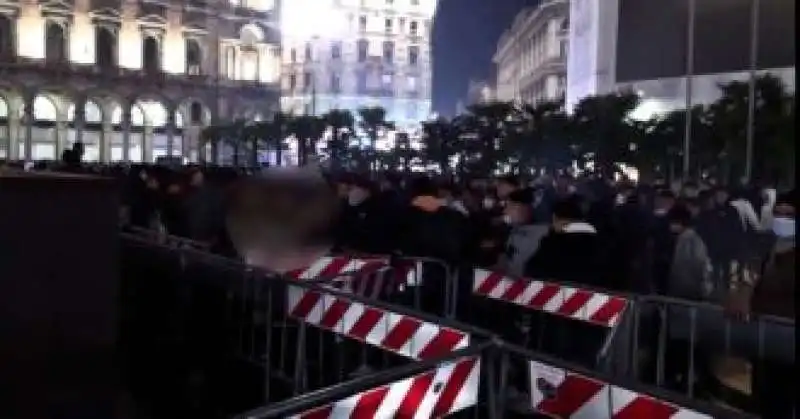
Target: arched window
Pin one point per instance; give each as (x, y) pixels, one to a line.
(105, 47)
(44, 109)
(6, 37)
(251, 34)
(194, 57)
(55, 45)
(150, 55)
(196, 113)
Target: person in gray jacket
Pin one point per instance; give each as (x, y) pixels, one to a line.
(525, 235)
(690, 271)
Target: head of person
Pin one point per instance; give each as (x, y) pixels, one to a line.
(680, 218)
(282, 219)
(567, 211)
(360, 190)
(506, 185)
(342, 184)
(78, 148)
(783, 224)
(664, 201)
(721, 196)
(422, 186)
(519, 207)
(196, 178)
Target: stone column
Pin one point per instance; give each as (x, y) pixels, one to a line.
(106, 134)
(147, 144)
(61, 137)
(27, 121)
(126, 133)
(169, 131)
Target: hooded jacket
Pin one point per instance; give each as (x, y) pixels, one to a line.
(568, 255)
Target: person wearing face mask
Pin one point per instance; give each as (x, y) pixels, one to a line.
(772, 294)
(366, 225)
(524, 236)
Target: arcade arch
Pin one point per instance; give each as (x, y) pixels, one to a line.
(44, 129)
(90, 132)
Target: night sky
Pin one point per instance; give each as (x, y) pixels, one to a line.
(465, 34)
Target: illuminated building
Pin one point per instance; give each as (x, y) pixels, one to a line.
(347, 54)
(630, 45)
(133, 80)
(531, 56)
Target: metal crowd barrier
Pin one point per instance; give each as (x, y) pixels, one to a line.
(680, 344)
(577, 324)
(219, 308)
(215, 321)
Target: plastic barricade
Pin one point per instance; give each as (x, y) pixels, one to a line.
(448, 388)
(424, 284)
(576, 324)
(562, 390)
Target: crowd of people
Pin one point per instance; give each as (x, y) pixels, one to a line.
(699, 242)
(732, 246)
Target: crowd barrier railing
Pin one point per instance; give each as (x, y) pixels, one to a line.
(303, 332)
(404, 392)
(683, 345)
(265, 321)
(578, 324)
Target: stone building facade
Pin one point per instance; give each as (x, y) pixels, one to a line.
(133, 80)
(347, 54)
(531, 56)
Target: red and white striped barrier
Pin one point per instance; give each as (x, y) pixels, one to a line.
(447, 389)
(563, 394)
(339, 268)
(330, 267)
(400, 334)
(575, 303)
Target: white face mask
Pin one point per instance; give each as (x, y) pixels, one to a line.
(660, 212)
(507, 220)
(783, 227)
(488, 203)
(355, 198)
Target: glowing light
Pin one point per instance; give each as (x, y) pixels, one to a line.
(129, 53)
(647, 109)
(174, 56)
(306, 19)
(30, 33)
(81, 40)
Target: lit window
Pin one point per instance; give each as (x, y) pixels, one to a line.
(413, 26)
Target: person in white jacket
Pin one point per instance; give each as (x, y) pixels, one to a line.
(750, 220)
(770, 195)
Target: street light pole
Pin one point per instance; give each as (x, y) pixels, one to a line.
(751, 91)
(687, 132)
